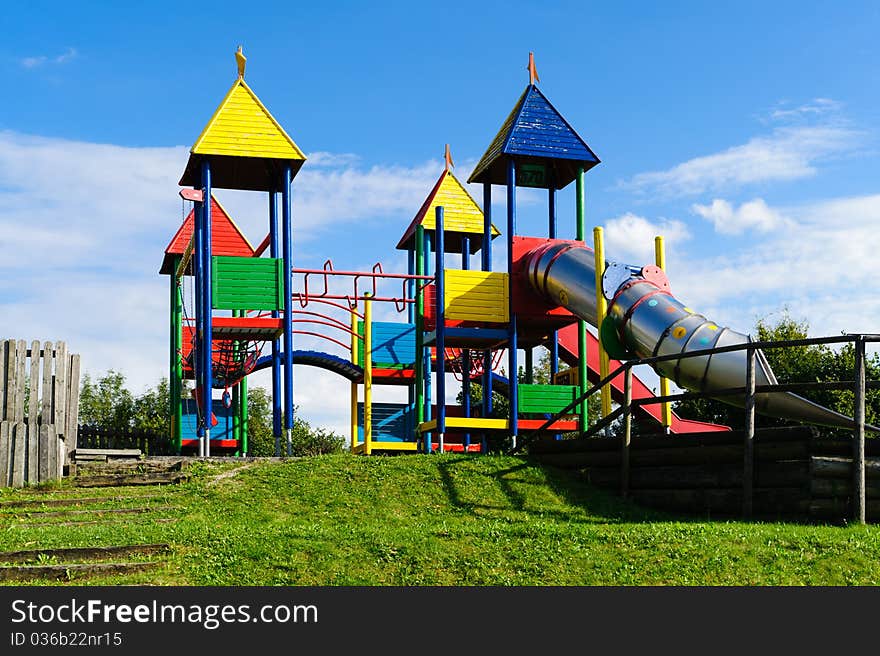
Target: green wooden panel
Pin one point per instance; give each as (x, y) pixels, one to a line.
(546, 398)
(247, 283)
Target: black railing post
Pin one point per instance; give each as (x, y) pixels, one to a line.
(749, 440)
(859, 436)
(627, 433)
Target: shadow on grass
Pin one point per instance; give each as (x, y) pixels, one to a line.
(587, 504)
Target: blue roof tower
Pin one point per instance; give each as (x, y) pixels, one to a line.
(546, 148)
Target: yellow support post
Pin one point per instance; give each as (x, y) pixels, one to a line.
(368, 374)
(354, 386)
(601, 310)
(665, 408)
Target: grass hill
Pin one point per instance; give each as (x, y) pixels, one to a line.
(409, 520)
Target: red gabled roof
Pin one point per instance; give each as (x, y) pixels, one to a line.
(226, 238)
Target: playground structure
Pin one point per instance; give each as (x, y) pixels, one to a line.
(455, 320)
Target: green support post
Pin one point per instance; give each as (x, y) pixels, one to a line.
(420, 324)
(243, 410)
(175, 371)
(582, 325)
(236, 417)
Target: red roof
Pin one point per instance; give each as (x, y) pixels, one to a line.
(226, 238)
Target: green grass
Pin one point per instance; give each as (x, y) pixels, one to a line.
(438, 520)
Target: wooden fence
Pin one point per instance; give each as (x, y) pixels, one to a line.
(39, 410)
(150, 443)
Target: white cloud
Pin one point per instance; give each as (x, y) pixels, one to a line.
(789, 153)
(819, 267)
(753, 215)
(630, 238)
(816, 107)
(42, 60)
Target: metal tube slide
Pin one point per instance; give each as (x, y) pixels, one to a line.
(649, 321)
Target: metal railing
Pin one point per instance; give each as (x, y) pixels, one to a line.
(858, 385)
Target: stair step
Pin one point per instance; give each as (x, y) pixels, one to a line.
(81, 553)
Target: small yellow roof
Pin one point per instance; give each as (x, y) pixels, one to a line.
(461, 214)
(242, 128)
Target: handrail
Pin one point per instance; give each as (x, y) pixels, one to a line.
(374, 275)
(748, 346)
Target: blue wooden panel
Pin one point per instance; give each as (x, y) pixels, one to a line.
(394, 344)
(392, 422)
(189, 419)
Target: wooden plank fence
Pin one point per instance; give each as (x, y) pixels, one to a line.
(39, 410)
(150, 443)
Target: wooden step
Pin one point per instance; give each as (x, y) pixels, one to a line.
(110, 453)
(124, 479)
(83, 553)
(74, 501)
(96, 511)
(103, 522)
(71, 571)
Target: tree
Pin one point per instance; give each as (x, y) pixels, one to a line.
(106, 402)
(151, 409)
(796, 364)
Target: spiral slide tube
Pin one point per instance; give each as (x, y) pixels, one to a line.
(648, 321)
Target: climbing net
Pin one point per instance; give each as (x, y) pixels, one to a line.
(476, 365)
(231, 359)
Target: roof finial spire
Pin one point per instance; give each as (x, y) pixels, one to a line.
(533, 72)
(448, 156)
(241, 60)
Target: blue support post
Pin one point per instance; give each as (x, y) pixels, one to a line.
(465, 353)
(554, 336)
(427, 351)
(440, 342)
(276, 343)
(287, 247)
(512, 345)
(207, 337)
(487, 266)
(198, 236)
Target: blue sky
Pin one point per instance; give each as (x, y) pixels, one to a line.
(746, 134)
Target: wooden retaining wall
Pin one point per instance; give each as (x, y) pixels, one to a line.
(39, 410)
(798, 473)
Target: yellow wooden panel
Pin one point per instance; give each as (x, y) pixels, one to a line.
(243, 127)
(466, 422)
(476, 296)
(394, 446)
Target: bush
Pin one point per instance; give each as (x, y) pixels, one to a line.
(306, 440)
